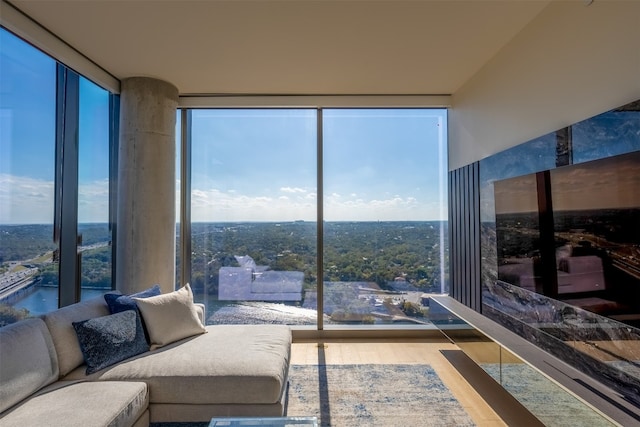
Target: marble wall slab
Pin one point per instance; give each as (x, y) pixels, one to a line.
(599, 346)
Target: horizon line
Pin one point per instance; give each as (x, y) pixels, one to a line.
(247, 222)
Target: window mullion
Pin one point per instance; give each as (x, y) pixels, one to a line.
(114, 131)
(67, 186)
(320, 227)
(185, 198)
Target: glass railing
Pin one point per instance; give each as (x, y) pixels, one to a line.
(602, 347)
(549, 402)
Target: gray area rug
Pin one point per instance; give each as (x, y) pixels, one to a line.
(373, 395)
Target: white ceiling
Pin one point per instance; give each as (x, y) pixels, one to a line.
(287, 47)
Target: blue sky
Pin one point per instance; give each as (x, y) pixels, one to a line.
(27, 138)
(385, 164)
(27, 102)
(27, 135)
(248, 165)
(260, 165)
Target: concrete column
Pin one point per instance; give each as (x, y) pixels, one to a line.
(146, 222)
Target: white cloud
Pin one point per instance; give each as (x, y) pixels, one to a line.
(93, 201)
(215, 205)
(293, 190)
(25, 200)
(395, 208)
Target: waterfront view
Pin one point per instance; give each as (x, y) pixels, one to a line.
(374, 272)
(29, 268)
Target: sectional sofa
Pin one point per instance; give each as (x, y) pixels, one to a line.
(51, 374)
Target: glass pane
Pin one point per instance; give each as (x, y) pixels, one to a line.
(385, 214)
(253, 210)
(93, 190)
(28, 265)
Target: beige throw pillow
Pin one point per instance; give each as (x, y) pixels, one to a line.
(170, 317)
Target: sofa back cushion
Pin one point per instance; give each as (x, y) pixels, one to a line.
(65, 340)
(28, 361)
(170, 317)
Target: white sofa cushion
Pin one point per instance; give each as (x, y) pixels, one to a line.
(170, 317)
(231, 364)
(28, 361)
(84, 404)
(64, 336)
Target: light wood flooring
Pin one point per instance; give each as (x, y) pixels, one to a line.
(402, 351)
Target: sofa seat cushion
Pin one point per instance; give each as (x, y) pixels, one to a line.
(230, 364)
(81, 404)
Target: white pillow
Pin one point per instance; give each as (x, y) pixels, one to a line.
(170, 317)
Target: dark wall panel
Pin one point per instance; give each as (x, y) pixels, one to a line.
(464, 235)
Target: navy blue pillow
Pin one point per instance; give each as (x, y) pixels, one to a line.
(118, 303)
(107, 340)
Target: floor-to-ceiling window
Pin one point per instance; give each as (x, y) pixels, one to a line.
(281, 197)
(56, 166)
(384, 212)
(253, 213)
(27, 172)
(94, 173)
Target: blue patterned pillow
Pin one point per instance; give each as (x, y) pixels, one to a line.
(118, 303)
(107, 340)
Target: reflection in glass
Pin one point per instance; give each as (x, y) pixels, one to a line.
(28, 263)
(597, 238)
(608, 134)
(594, 235)
(517, 232)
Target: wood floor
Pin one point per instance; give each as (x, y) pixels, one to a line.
(402, 351)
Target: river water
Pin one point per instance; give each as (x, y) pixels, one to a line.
(44, 299)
